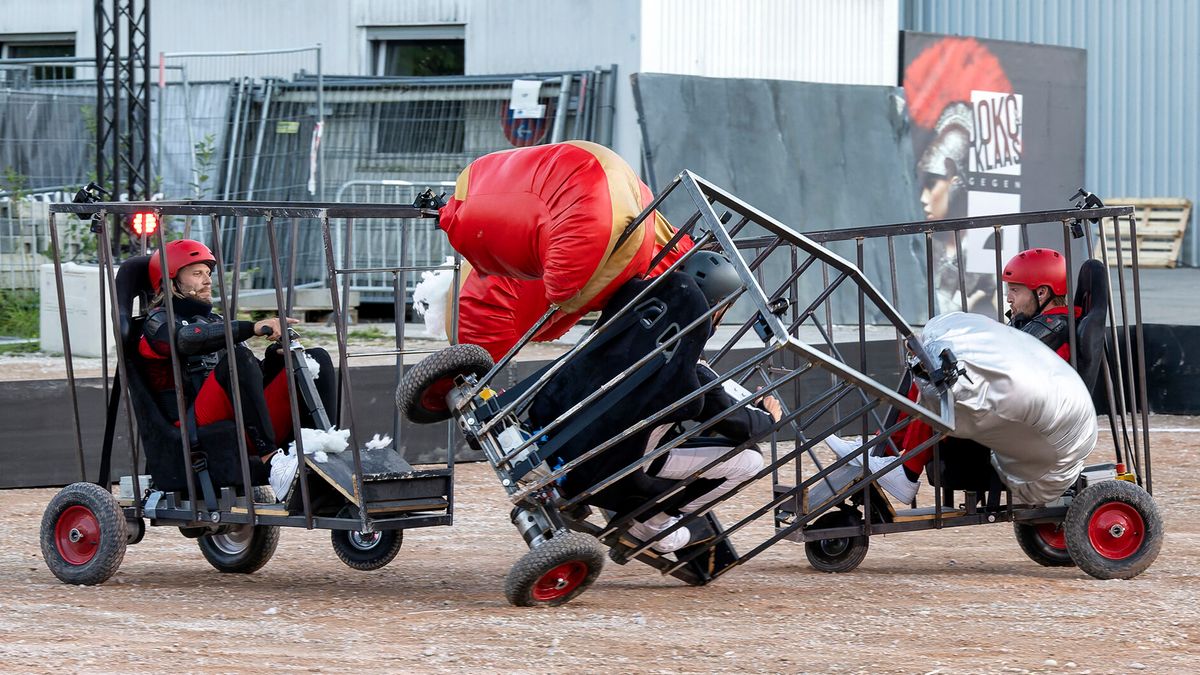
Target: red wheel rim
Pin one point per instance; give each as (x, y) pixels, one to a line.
(434, 396)
(559, 581)
(1052, 535)
(1116, 530)
(77, 535)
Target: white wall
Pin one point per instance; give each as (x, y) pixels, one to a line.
(843, 41)
(835, 41)
(551, 35)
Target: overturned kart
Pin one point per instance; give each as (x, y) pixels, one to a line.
(200, 478)
(574, 444)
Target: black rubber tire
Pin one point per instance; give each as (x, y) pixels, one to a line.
(365, 552)
(1086, 516)
(837, 555)
(137, 530)
(573, 559)
(243, 549)
(1038, 549)
(416, 393)
(89, 515)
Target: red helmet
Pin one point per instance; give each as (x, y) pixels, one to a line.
(1038, 267)
(180, 254)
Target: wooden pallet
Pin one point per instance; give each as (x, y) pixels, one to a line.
(1161, 223)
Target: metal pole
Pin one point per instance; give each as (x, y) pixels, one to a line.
(258, 142)
(66, 338)
(321, 124)
(560, 112)
(232, 139)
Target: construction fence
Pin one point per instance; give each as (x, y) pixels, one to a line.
(288, 133)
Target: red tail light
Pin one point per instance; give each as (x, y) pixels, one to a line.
(144, 224)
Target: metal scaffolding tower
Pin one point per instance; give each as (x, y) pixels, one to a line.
(123, 98)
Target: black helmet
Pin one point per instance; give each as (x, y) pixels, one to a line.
(714, 274)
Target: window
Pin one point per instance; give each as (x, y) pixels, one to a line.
(425, 126)
(40, 47)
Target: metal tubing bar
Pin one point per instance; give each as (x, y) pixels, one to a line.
(679, 440)
(780, 499)
(239, 416)
(1072, 338)
(837, 353)
(177, 374)
(66, 338)
(929, 273)
(1129, 375)
(344, 317)
(599, 392)
(289, 373)
(345, 368)
(649, 505)
(998, 237)
(962, 273)
(1144, 405)
(1116, 399)
(400, 283)
(970, 223)
(391, 270)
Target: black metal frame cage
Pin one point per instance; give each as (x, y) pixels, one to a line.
(366, 498)
(788, 285)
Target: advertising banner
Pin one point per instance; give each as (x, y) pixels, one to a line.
(997, 127)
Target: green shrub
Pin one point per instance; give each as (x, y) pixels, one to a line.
(19, 313)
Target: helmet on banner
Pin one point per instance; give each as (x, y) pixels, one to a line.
(180, 254)
(946, 154)
(1038, 267)
(714, 274)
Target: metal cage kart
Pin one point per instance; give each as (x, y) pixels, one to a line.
(789, 346)
(199, 476)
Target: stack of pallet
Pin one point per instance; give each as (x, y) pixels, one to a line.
(1160, 225)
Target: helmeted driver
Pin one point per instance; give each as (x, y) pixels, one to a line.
(200, 343)
(1037, 297)
(717, 279)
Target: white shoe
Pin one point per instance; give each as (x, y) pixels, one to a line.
(842, 447)
(894, 481)
(657, 523)
(283, 474)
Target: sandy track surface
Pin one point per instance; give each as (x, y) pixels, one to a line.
(959, 600)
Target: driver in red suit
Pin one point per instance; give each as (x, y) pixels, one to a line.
(1037, 299)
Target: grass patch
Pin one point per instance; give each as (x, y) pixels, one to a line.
(19, 348)
(367, 334)
(19, 313)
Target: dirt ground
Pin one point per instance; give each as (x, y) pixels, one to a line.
(958, 600)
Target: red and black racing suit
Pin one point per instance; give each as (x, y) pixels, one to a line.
(200, 343)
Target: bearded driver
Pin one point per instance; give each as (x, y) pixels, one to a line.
(1037, 297)
(200, 344)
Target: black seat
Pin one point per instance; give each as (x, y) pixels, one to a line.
(218, 442)
(1091, 294)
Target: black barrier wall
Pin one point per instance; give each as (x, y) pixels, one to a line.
(813, 156)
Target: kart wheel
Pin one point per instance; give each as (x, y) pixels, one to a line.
(1044, 543)
(241, 549)
(84, 534)
(1113, 530)
(421, 395)
(137, 530)
(837, 555)
(365, 551)
(555, 571)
